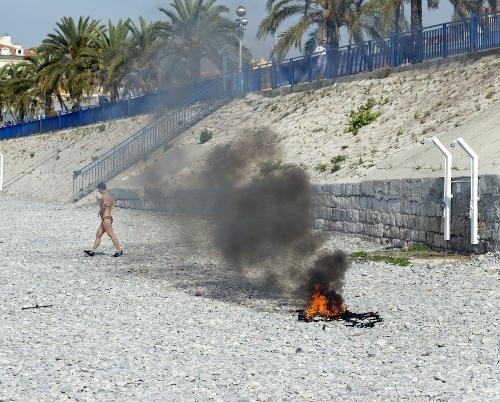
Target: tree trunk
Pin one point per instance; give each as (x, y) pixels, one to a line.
(49, 105)
(195, 70)
(114, 93)
(21, 114)
(333, 56)
(397, 13)
(416, 14)
(332, 36)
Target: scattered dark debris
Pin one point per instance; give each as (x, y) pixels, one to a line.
(36, 306)
(356, 320)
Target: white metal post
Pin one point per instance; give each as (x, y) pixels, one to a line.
(474, 188)
(240, 67)
(1, 172)
(241, 57)
(242, 23)
(447, 195)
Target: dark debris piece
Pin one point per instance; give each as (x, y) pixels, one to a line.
(356, 320)
(36, 306)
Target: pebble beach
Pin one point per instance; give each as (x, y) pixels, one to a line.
(169, 321)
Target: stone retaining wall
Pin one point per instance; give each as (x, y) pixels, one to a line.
(409, 211)
(397, 212)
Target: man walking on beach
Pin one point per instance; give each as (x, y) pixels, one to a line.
(106, 226)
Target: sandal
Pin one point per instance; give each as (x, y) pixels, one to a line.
(89, 252)
(118, 253)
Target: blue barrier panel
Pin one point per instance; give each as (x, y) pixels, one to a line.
(299, 72)
(488, 31)
(458, 38)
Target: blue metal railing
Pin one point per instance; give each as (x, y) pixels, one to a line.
(480, 32)
(154, 136)
(131, 106)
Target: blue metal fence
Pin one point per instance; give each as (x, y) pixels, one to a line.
(480, 32)
(106, 111)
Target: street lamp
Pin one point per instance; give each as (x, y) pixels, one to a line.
(241, 25)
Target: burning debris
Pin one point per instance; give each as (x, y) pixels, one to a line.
(324, 283)
(321, 306)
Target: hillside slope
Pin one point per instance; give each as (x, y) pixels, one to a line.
(42, 165)
(460, 99)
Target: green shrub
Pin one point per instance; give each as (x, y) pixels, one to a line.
(101, 128)
(320, 167)
(388, 259)
(418, 248)
(360, 255)
(206, 135)
(335, 168)
(362, 117)
(337, 159)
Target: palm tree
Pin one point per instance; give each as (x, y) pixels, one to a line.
(142, 63)
(115, 47)
(73, 55)
(416, 12)
(20, 90)
(200, 31)
(464, 8)
(3, 92)
(377, 19)
(49, 86)
(318, 18)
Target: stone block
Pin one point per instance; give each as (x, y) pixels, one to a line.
(336, 226)
(379, 189)
(336, 214)
(348, 189)
(355, 189)
(353, 215)
(395, 189)
(350, 227)
(366, 188)
(421, 223)
(391, 232)
(362, 216)
(387, 218)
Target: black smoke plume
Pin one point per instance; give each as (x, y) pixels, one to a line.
(263, 216)
(328, 272)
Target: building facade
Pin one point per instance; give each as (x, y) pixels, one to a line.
(12, 53)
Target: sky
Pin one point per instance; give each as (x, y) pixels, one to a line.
(29, 21)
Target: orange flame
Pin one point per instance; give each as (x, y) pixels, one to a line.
(319, 306)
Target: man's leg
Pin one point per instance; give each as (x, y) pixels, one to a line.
(108, 227)
(98, 235)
